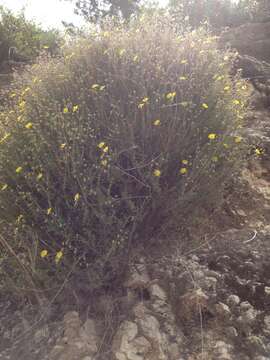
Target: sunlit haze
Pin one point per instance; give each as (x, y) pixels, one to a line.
(49, 13)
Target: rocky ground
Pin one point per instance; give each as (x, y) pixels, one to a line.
(210, 302)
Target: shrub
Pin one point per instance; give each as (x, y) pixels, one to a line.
(27, 37)
(129, 131)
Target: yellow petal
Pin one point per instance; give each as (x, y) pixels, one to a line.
(95, 86)
(4, 187)
(58, 256)
(212, 136)
(205, 106)
(19, 170)
(171, 95)
(101, 145)
(183, 170)
(238, 139)
(43, 253)
(157, 172)
(29, 125)
(145, 99)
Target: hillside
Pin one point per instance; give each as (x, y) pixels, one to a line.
(205, 301)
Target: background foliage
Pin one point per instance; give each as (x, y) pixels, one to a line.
(27, 37)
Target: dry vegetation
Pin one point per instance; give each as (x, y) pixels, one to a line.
(125, 135)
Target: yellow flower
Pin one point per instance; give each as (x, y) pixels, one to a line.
(22, 104)
(106, 149)
(49, 211)
(212, 136)
(185, 162)
(12, 95)
(104, 162)
(101, 145)
(95, 86)
(236, 102)
(4, 187)
(45, 47)
(19, 170)
(157, 172)
(258, 151)
(40, 176)
(220, 77)
(183, 170)
(227, 88)
(43, 253)
(238, 139)
(184, 103)
(65, 110)
(62, 146)
(183, 61)
(156, 122)
(135, 58)
(29, 125)
(102, 87)
(141, 105)
(58, 256)
(5, 137)
(205, 106)
(77, 197)
(170, 95)
(19, 118)
(75, 108)
(25, 91)
(122, 52)
(182, 78)
(145, 100)
(226, 145)
(19, 218)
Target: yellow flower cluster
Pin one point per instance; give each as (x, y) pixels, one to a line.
(157, 172)
(171, 95)
(5, 137)
(143, 102)
(97, 87)
(156, 122)
(77, 198)
(58, 256)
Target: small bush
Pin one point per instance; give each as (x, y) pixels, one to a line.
(27, 37)
(130, 130)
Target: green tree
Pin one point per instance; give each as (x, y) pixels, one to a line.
(24, 35)
(95, 10)
(219, 13)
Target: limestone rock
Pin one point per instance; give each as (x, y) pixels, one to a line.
(127, 345)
